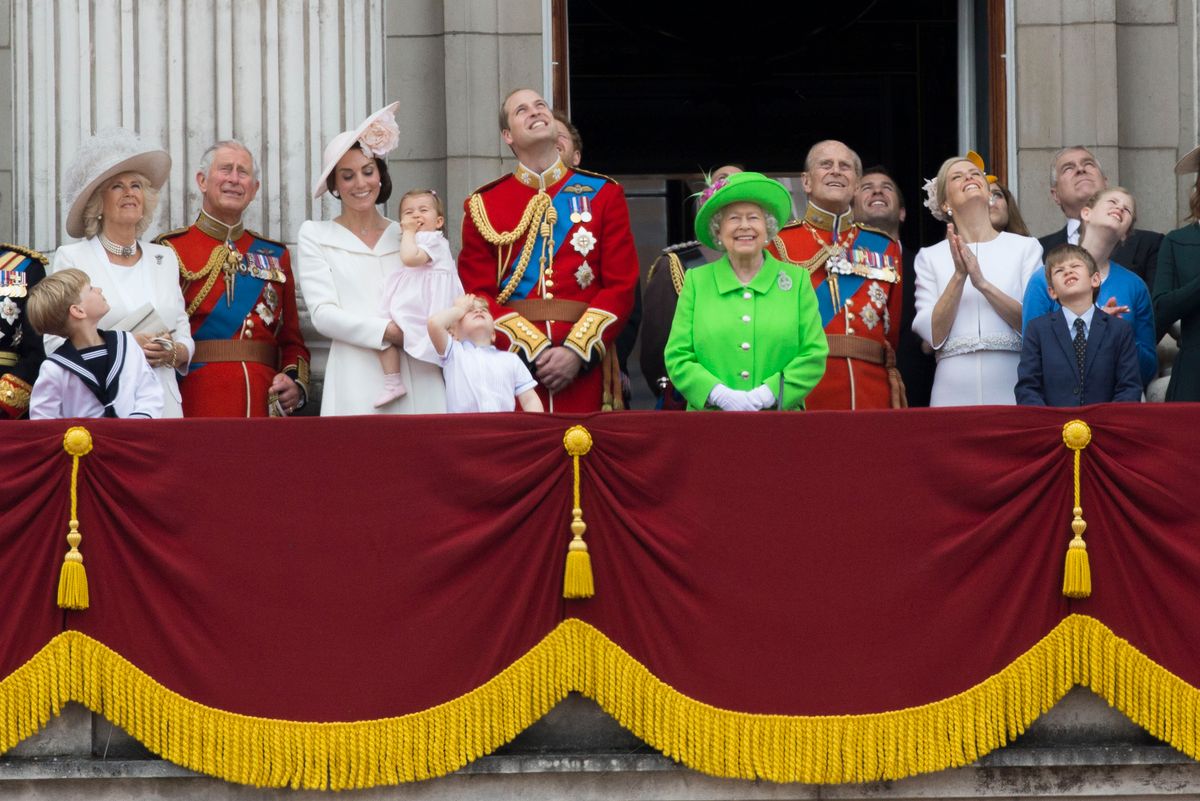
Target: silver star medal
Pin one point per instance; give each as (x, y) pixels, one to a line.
(10, 311)
(583, 241)
(785, 281)
(584, 275)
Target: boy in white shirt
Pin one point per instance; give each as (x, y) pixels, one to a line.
(94, 373)
(479, 378)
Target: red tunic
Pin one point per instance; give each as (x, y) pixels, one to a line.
(263, 310)
(862, 299)
(594, 265)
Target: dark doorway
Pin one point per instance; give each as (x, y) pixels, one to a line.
(665, 90)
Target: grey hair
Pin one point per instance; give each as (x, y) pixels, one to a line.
(92, 223)
(714, 226)
(1061, 153)
(207, 159)
(858, 168)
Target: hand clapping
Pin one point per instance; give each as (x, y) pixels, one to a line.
(965, 261)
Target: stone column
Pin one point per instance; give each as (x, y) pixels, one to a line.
(1117, 76)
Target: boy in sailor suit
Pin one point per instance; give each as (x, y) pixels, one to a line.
(90, 375)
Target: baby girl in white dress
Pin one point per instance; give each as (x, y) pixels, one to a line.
(425, 281)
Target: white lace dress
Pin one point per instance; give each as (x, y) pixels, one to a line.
(977, 362)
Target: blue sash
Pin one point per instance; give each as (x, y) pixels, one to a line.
(848, 285)
(562, 205)
(225, 320)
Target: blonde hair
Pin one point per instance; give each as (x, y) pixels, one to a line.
(1103, 193)
(50, 300)
(92, 222)
(940, 190)
(437, 201)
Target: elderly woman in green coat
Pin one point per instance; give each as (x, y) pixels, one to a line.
(747, 334)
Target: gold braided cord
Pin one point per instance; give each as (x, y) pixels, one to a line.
(531, 221)
(890, 745)
(211, 271)
(676, 266)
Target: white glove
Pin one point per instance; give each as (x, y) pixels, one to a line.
(731, 400)
(762, 397)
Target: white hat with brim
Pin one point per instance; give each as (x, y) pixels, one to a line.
(105, 155)
(1189, 163)
(340, 145)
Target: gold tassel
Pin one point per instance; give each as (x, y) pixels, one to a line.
(1077, 573)
(577, 580)
(72, 579)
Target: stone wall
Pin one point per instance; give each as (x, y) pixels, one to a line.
(449, 64)
(1081, 749)
(1118, 76)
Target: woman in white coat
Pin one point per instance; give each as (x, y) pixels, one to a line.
(113, 186)
(968, 291)
(342, 267)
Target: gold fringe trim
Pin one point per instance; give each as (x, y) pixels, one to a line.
(575, 656)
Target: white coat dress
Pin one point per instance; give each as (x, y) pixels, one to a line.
(342, 281)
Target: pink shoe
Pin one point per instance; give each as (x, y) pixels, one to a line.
(393, 388)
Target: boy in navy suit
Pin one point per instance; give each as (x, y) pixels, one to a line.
(1077, 354)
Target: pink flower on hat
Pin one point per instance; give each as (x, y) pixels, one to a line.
(380, 137)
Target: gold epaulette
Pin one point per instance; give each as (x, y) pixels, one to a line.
(489, 185)
(874, 230)
(585, 334)
(161, 239)
(24, 251)
(257, 235)
(596, 175)
(523, 334)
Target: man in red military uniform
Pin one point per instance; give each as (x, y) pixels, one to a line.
(551, 250)
(856, 273)
(250, 358)
(21, 351)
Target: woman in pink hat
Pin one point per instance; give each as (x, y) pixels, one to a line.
(342, 271)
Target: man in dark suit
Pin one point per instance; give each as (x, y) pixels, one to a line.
(1076, 175)
(1077, 354)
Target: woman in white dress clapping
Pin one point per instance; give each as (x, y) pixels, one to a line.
(968, 291)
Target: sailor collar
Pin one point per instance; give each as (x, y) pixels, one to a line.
(818, 217)
(543, 180)
(219, 230)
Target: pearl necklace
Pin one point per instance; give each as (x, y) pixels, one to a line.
(112, 247)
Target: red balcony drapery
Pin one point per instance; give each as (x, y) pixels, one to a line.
(815, 597)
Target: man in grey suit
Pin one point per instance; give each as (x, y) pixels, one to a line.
(1076, 175)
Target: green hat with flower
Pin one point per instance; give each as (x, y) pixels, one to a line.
(749, 187)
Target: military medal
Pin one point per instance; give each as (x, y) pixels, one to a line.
(584, 275)
(10, 311)
(837, 262)
(13, 284)
(586, 214)
(583, 241)
(877, 295)
(575, 215)
(272, 298)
